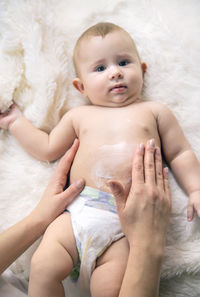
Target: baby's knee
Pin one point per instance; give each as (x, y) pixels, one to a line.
(51, 262)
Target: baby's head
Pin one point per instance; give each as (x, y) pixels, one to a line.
(108, 67)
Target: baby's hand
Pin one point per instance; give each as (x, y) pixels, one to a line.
(193, 205)
(9, 116)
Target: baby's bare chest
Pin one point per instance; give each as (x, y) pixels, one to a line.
(107, 144)
(114, 127)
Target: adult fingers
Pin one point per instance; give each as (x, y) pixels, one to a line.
(149, 162)
(71, 192)
(118, 192)
(166, 185)
(65, 164)
(159, 170)
(66, 161)
(138, 166)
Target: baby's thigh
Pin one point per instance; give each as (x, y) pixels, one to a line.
(57, 253)
(107, 277)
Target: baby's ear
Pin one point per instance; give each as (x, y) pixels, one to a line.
(77, 83)
(144, 68)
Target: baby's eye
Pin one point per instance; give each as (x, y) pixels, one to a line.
(123, 63)
(100, 68)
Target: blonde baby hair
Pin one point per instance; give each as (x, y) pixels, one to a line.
(100, 29)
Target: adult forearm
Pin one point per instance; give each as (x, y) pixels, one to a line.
(142, 274)
(15, 240)
(33, 140)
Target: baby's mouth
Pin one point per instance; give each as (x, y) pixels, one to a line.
(118, 88)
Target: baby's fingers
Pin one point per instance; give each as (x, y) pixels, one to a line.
(194, 204)
(190, 212)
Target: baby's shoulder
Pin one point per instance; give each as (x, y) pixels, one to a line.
(78, 111)
(156, 107)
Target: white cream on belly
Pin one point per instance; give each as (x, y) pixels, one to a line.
(112, 162)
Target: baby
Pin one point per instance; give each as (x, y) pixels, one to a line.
(110, 74)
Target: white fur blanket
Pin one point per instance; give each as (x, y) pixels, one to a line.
(36, 43)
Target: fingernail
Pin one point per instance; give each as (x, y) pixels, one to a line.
(141, 147)
(166, 171)
(75, 140)
(158, 151)
(80, 183)
(152, 142)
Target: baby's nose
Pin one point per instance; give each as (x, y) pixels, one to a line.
(116, 72)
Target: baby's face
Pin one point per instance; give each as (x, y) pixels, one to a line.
(110, 70)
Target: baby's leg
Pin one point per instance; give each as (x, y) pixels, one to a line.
(54, 259)
(107, 277)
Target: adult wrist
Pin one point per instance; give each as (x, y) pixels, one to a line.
(37, 223)
(152, 248)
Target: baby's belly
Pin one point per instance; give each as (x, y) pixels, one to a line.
(103, 163)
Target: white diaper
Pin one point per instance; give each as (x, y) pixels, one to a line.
(96, 225)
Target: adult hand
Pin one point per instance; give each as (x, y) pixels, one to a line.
(55, 199)
(144, 214)
(15, 240)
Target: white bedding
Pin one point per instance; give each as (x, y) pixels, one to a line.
(36, 42)
(8, 290)
(11, 286)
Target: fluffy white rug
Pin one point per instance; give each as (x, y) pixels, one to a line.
(36, 42)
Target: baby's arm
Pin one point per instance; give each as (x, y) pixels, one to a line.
(180, 157)
(36, 142)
